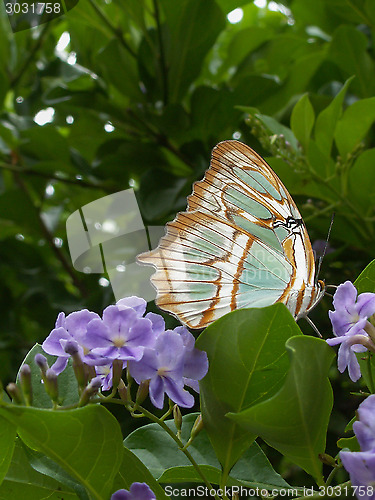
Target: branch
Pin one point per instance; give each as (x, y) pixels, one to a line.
(163, 65)
(116, 31)
(15, 80)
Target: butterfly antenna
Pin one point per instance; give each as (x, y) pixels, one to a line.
(325, 246)
(311, 323)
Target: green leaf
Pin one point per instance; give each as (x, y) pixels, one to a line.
(172, 466)
(291, 421)
(348, 49)
(366, 280)
(361, 181)
(302, 120)
(85, 442)
(186, 43)
(133, 470)
(45, 143)
(351, 443)
(277, 128)
(22, 481)
(48, 467)
(7, 439)
(247, 364)
(229, 5)
(327, 119)
(67, 383)
(354, 125)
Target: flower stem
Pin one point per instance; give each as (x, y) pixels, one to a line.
(180, 444)
(370, 377)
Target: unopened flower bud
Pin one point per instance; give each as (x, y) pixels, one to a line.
(71, 347)
(197, 427)
(25, 381)
(123, 392)
(177, 417)
(41, 361)
(327, 459)
(117, 367)
(90, 391)
(142, 391)
(14, 393)
(50, 384)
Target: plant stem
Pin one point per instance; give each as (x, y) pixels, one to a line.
(180, 444)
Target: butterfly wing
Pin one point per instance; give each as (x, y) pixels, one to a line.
(241, 243)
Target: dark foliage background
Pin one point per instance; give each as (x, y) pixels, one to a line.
(136, 93)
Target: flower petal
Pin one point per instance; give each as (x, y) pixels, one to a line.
(177, 393)
(361, 468)
(366, 305)
(52, 343)
(146, 368)
(136, 303)
(156, 391)
(345, 297)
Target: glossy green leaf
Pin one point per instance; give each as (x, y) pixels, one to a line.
(133, 470)
(44, 143)
(67, 383)
(354, 125)
(302, 120)
(291, 421)
(85, 442)
(22, 481)
(172, 466)
(350, 443)
(185, 54)
(7, 439)
(361, 180)
(277, 128)
(348, 50)
(327, 119)
(366, 280)
(247, 364)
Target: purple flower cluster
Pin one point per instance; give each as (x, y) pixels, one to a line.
(167, 359)
(361, 464)
(138, 491)
(351, 326)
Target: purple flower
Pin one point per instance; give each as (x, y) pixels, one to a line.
(364, 428)
(195, 361)
(70, 328)
(164, 367)
(361, 464)
(361, 468)
(350, 312)
(138, 491)
(350, 326)
(121, 334)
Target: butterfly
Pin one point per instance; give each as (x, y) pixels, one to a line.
(241, 243)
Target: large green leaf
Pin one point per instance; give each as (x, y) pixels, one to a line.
(361, 182)
(187, 44)
(247, 364)
(302, 120)
(172, 466)
(22, 481)
(133, 470)
(7, 438)
(354, 125)
(327, 119)
(85, 442)
(291, 421)
(366, 280)
(348, 50)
